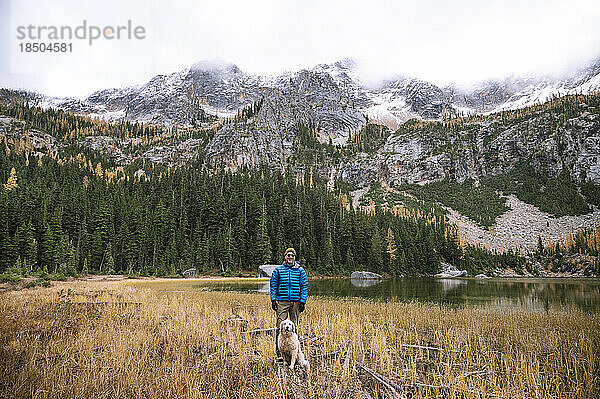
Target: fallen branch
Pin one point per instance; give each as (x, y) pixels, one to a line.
(259, 330)
(470, 373)
(420, 385)
(430, 386)
(392, 386)
(234, 319)
(107, 303)
(431, 348)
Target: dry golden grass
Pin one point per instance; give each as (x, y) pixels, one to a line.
(139, 341)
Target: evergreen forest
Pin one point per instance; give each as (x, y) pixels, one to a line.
(70, 209)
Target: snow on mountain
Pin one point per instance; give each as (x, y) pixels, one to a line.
(337, 97)
(540, 90)
(590, 86)
(330, 102)
(392, 102)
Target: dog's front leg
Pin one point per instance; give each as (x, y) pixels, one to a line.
(293, 361)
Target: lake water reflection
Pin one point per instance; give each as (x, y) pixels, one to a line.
(523, 294)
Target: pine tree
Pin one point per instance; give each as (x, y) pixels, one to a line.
(82, 246)
(540, 246)
(204, 254)
(110, 262)
(8, 253)
(228, 250)
(24, 238)
(100, 238)
(4, 235)
(71, 268)
(63, 254)
(85, 269)
(264, 242)
(47, 250)
(328, 257)
(376, 251)
(55, 240)
(133, 246)
(20, 268)
(402, 266)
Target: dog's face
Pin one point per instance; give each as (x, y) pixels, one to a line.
(287, 327)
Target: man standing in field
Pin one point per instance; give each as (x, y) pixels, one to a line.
(289, 290)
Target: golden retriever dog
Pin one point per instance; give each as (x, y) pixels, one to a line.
(289, 345)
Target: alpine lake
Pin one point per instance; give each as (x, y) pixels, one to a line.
(522, 294)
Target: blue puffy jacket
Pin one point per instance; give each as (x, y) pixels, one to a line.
(289, 283)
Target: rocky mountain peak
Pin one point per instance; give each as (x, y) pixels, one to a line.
(328, 99)
(219, 68)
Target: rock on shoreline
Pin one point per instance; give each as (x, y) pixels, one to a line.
(365, 276)
(450, 271)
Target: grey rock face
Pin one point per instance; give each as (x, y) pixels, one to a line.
(361, 171)
(107, 145)
(412, 160)
(484, 149)
(329, 107)
(587, 165)
(178, 98)
(11, 128)
(484, 96)
(222, 88)
(254, 147)
(174, 155)
(425, 99)
(170, 155)
(308, 98)
(333, 102)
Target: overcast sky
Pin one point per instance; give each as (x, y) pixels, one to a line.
(441, 41)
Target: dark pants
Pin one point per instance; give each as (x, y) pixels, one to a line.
(285, 310)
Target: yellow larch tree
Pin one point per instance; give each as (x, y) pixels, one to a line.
(11, 183)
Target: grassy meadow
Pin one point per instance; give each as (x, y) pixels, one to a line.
(128, 338)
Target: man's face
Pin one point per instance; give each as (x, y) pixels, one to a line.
(290, 258)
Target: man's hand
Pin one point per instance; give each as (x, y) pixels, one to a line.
(274, 305)
(301, 307)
